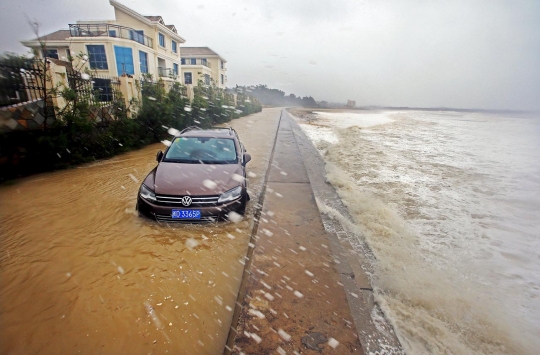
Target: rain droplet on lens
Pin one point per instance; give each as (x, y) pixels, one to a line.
(173, 131)
(256, 313)
(284, 335)
(209, 184)
(191, 243)
(234, 217)
(237, 177)
(333, 342)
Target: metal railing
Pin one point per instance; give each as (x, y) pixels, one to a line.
(198, 61)
(21, 82)
(108, 30)
(167, 73)
(98, 90)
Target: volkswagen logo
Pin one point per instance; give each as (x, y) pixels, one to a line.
(186, 201)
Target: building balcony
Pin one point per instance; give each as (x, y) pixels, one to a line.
(196, 61)
(167, 73)
(109, 30)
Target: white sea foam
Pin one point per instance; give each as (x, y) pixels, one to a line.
(362, 119)
(323, 128)
(449, 203)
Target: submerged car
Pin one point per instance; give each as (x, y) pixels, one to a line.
(200, 177)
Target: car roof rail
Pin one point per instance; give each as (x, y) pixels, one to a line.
(190, 128)
(230, 129)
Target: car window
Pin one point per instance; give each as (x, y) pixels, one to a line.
(202, 150)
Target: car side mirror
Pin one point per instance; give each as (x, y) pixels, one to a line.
(247, 158)
(159, 156)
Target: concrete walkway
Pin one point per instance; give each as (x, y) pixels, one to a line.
(293, 298)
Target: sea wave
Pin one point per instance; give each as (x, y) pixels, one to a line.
(425, 201)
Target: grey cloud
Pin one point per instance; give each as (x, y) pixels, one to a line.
(460, 53)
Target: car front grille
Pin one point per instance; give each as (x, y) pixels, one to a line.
(196, 201)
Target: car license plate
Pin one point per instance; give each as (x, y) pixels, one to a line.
(186, 214)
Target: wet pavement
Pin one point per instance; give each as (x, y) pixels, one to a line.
(293, 300)
(80, 272)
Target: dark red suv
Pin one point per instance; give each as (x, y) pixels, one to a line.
(200, 177)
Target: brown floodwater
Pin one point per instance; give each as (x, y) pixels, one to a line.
(80, 272)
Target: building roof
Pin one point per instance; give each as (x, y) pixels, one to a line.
(160, 20)
(59, 35)
(188, 51)
(155, 18)
(146, 19)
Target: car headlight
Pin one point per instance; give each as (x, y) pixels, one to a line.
(230, 195)
(147, 194)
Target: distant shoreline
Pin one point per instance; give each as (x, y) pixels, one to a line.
(443, 109)
(431, 109)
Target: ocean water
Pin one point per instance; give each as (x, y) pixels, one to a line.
(449, 203)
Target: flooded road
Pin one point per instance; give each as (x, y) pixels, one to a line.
(80, 272)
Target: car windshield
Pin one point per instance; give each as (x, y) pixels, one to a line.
(202, 150)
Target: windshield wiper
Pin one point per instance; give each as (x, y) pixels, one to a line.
(186, 161)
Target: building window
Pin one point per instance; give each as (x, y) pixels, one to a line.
(183, 61)
(143, 59)
(137, 36)
(97, 57)
(193, 61)
(175, 68)
(174, 49)
(112, 33)
(50, 53)
(161, 39)
(124, 60)
(222, 64)
(68, 54)
(102, 89)
(188, 78)
(222, 80)
(204, 62)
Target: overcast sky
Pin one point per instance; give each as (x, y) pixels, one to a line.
(422, 53)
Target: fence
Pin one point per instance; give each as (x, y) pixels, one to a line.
(21, 81)
(24, 103)
(97, 90)
(26, 84)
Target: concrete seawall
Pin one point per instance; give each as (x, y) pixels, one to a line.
(303, 290)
